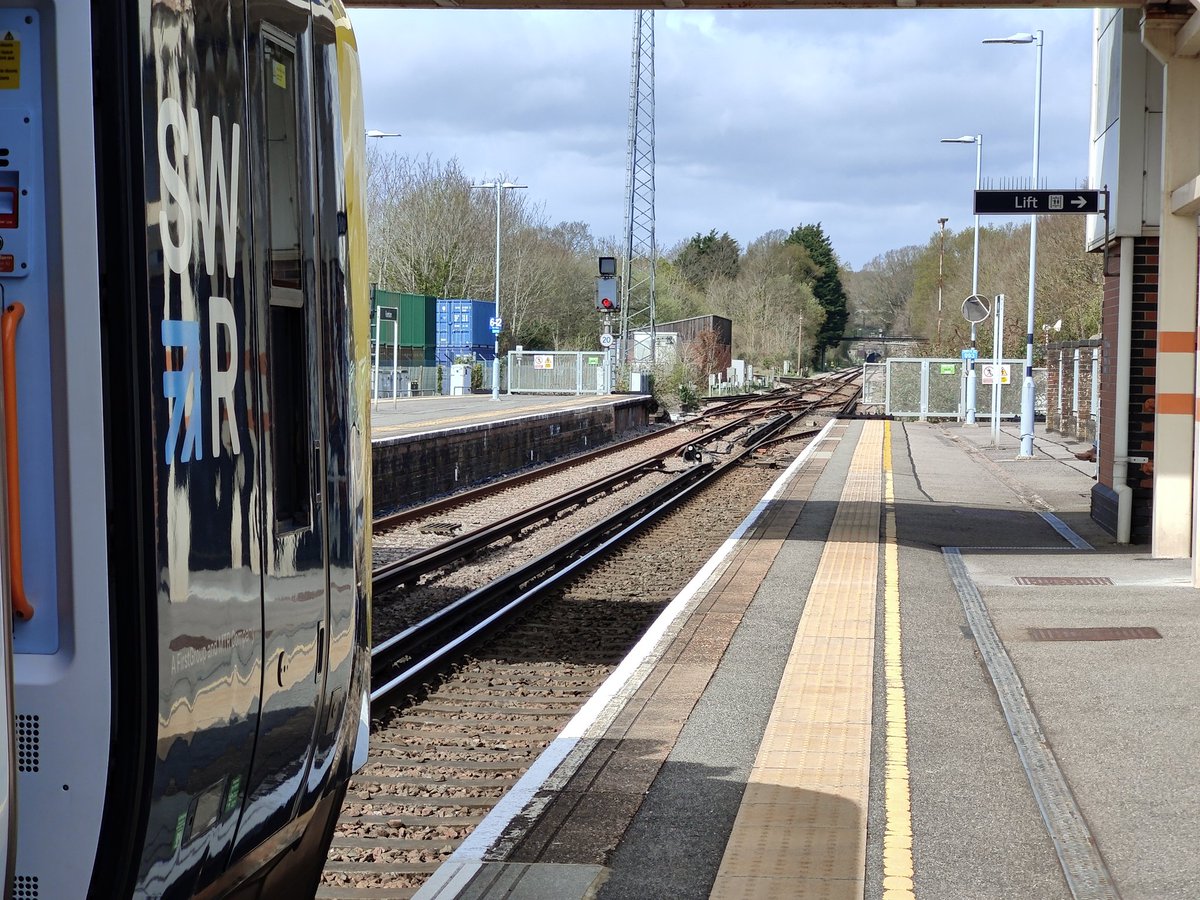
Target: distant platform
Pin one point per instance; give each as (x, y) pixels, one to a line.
(420, 415)
(424, 447)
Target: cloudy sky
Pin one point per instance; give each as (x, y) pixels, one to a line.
(765, 119)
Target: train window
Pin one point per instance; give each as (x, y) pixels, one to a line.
(288, 351)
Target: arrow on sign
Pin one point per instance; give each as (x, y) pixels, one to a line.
(1079, 202)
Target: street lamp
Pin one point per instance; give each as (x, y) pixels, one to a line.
(977, 140)
(376, 133)
(1027, 389)
(499, 187)
(941, 257)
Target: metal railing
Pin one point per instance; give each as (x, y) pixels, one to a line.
(558, 372)
(935, 388)
(1074, 373)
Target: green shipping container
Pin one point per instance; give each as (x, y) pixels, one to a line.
(416, 318)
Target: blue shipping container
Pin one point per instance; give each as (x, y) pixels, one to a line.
(465, 322)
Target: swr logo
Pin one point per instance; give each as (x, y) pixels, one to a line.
(189, 201)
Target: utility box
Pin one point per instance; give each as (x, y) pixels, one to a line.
(460, 379)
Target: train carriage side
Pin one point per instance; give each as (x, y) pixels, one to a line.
(192, 429)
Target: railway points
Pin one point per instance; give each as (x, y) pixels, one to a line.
(696, 741)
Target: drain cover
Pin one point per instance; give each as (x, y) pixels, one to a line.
(1132, 633)
(1049, 580)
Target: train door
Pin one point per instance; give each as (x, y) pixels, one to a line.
(332, 235)
(289, 372)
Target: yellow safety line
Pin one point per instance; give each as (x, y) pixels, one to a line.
(897, 834)
(801, 829)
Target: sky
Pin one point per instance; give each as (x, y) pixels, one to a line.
(764, 119)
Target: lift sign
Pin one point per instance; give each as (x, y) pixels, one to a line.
(190, 201)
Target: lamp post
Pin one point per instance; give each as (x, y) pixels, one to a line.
(977, 140)
(376, 133)
(941, 257)
(499, 187)
(1027, 388)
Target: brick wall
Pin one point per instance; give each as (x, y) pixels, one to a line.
(1143, 345)
(411, 469)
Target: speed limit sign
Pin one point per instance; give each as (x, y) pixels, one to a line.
(606, 340)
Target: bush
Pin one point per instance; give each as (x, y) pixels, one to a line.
(674, 388)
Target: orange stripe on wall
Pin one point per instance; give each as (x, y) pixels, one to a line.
(1176, 404)
(1177, 342)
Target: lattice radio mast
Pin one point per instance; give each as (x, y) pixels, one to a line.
(641, 253)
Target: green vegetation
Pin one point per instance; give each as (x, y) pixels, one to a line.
(789, 296)
(897, 292)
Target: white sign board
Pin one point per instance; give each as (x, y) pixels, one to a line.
(543, 361)
(989, 373)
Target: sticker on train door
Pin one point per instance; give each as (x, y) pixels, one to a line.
(10, 62)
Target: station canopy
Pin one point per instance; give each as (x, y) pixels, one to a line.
(1162, 5)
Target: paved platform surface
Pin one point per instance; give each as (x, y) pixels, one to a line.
(416, 415)
(1004, 750)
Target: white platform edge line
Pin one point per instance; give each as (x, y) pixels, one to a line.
(519, 796)
(1067, 532)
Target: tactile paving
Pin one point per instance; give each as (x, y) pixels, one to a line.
(801, 829)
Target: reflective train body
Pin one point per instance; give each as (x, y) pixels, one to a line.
(187, 443)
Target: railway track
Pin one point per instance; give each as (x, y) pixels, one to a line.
(464, 704)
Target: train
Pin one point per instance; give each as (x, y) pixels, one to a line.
(186, 440)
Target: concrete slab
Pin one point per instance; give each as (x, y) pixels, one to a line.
(1119, 716)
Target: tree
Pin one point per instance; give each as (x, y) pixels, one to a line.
(882, 290)
(706, 257)
(770, 302)
(827, 285)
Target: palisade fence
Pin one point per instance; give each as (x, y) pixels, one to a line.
(937, 389)
(557, 373)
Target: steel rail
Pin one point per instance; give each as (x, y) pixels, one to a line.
(404, 659)
(411, 568)
(436, 506)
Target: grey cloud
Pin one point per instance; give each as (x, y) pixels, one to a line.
(765, 119)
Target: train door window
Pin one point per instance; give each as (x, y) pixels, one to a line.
(288, 348)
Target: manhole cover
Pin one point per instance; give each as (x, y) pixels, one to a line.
(1054, 580)
(1133, 633)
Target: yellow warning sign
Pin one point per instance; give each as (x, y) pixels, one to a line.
(279, 74)
(10, 62)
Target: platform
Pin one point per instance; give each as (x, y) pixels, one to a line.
(423, 415)
(919, 669)
(423, 447)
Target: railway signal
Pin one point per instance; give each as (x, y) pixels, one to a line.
(608, 286)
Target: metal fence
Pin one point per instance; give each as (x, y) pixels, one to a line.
(558, 373)
(1074, 388)
(937, 388)
(409, 381)
(874, 385)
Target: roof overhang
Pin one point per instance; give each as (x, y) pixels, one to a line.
(757, 4)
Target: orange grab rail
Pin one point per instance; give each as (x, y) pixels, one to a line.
(8, 348)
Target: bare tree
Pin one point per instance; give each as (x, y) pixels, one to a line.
(882, 290)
